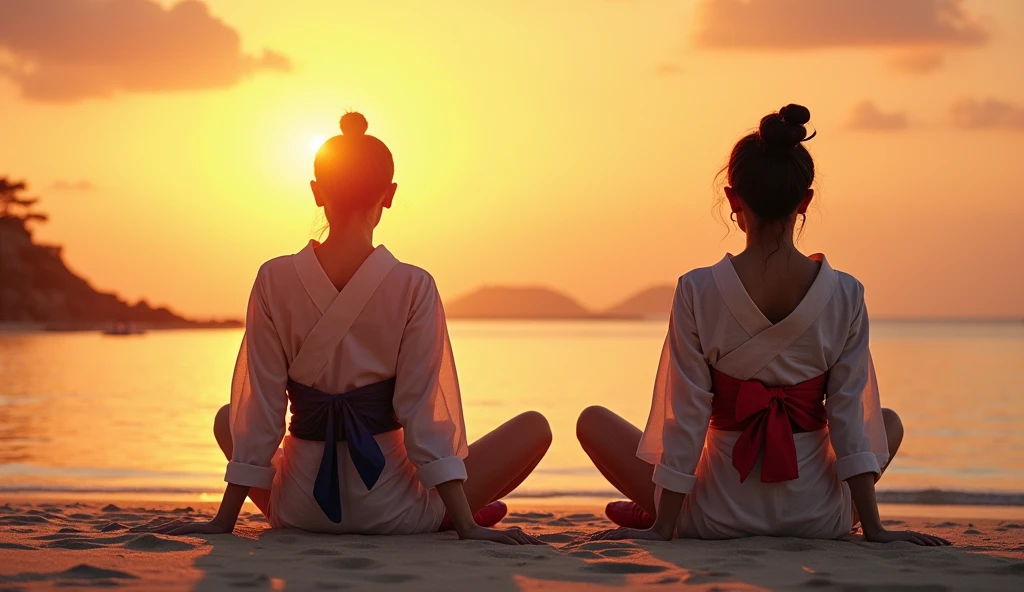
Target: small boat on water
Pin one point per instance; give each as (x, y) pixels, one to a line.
(123, 329)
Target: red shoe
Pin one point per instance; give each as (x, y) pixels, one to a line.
(488, 516)
(629, 514)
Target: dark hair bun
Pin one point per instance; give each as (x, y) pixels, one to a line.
(795, 114)
(785, 130)
(353, 124)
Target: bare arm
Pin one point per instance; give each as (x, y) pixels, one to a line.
(862, 489)
(454, 498)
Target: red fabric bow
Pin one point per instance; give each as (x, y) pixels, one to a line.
(767, 416)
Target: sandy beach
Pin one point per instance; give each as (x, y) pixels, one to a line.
(45, 545)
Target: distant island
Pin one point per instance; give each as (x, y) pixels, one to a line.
(538, 303)
(38, 291)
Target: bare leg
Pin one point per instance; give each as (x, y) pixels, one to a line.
(222, 432)
(893, 434)
(504, 458)
(611, 443)
(893, 437)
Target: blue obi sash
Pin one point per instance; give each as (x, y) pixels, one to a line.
(355, 416)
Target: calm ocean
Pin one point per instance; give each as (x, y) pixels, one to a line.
(131, 416)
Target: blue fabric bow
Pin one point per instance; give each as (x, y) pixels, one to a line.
(355, 416)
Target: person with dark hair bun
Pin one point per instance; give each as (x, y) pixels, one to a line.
(356, 342)
(766, 417)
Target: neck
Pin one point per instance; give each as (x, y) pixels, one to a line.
(344, 250)
(767, 241)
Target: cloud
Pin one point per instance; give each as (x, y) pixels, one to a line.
(80, 185)
(866, 116)
(68, 50)
(812, 24)
(987, 114)
(919, 62)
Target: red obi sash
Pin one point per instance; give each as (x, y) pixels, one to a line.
(768, 416)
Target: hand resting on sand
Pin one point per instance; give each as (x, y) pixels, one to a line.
(188, 527)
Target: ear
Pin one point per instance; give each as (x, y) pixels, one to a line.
(802, 208)
(389, 195)
(316, 194)
(735, 203)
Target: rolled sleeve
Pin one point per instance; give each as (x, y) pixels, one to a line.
(673, 480)
(857, 464)
(442, 470)
(249, 475)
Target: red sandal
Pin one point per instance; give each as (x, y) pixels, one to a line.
(488, 516)
(629, 514)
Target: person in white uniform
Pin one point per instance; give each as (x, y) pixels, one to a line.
(766, 417)
(358, 344)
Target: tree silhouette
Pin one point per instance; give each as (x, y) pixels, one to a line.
(13, 204)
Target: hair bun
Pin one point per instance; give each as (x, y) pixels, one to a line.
(353, 124)
(795, 114)
(785, 130)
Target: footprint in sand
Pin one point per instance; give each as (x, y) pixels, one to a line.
(561, 522)
(352, 563)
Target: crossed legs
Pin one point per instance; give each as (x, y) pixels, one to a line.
(496, 465)
(611, 443)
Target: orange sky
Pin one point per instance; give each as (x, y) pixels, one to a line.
(569, 143)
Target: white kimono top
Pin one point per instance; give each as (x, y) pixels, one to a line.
(715, 324)
(386, 323)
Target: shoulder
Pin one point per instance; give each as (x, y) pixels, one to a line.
(697, 278)
(695, 283)
(412, 275)
(849, 288)
(414, 281)
(276, 266)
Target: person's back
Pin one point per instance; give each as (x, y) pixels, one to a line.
(738, 441)
(357, 343)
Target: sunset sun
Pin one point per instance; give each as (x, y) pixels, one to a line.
(315, 143)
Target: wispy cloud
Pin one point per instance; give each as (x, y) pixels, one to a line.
(808, 24)
(67, 50)
(866, 116)
(921, 30)
(987, 114)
